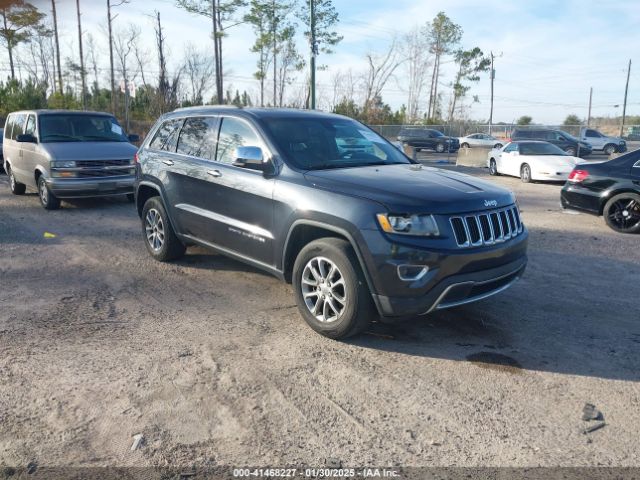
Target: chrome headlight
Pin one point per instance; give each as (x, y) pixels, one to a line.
(66, 164)
(420, 225)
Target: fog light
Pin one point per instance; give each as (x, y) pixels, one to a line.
(412, 273)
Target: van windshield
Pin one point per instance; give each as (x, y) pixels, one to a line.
(327, 143)
(80, 128)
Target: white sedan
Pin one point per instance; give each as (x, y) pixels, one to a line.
(532, 160)
(480, 140)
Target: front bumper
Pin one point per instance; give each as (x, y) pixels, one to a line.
(94, 187)
(456, 290)
(455, 275)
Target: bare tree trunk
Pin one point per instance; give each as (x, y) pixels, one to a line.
(214, 18)
(9, 46)
(82, 72)
(55, 32)
(162, 79)
(113, 78)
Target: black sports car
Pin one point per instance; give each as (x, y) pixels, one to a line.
(610, 189)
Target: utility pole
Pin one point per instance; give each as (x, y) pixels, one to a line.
(274, 30)
(589, 115)
(55, 31)
(219, 92)
(493, 76)
(314, 51)
(624, 106)
(82, 72)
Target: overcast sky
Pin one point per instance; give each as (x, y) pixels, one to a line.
(549, 51)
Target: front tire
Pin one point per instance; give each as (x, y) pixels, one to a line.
(493, 168)
(160, 239)
(464, 145)
(525, 173)
(330, 290)
(47, 199)
(440, 148)
(622, 213)
(570, 151)
(609, 149)
(17, 188)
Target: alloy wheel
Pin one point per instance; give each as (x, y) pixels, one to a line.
(625, 214)
(323, 289)
(154, 228)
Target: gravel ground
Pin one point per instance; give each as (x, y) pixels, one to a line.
(210, 360)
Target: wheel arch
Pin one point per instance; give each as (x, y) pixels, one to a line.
(604, 199)
(302, 232)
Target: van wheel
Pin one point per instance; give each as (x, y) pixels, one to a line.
(609, 149)
(17, 188)
(47, 199)
(159, 237)
(330, 290)
(525, 173)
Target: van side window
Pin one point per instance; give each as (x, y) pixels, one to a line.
(18, 125)
(8, 126)
(161, 139)
(30, 128)
(198, 137)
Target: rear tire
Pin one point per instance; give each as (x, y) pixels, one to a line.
(159, 237)
(17, 188)
(493, 168)
(622, 213)
(525, 173)
(498, 145)
(47, 199)
(330, 289)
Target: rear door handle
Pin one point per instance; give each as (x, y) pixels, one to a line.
(214, 173)
(167, 162)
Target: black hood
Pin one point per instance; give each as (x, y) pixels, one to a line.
(411, 188)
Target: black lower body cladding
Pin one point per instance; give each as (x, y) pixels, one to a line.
(453, 277)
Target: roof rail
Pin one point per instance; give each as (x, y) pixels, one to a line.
(204, 107)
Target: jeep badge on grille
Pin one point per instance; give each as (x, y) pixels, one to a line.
(490, 203)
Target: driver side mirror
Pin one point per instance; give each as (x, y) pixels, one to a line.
(252, 158)
(26, 138)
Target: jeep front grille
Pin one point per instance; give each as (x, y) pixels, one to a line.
(486, 228)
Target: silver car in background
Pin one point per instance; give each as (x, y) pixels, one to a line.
(480, 140)
(68, 154)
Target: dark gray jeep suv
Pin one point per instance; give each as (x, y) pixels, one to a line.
(356, 231)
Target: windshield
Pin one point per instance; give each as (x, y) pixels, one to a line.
(540, 149)
(80, 128)
(327, 143)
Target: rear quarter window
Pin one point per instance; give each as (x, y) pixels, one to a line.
(165, 135)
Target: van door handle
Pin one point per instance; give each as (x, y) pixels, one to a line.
(214, 173)
(167, 162)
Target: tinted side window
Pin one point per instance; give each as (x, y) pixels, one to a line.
(591, 133)
(8, 126)
(235, 133)
(30, 128)
(18, 126)
(198, 137)
(512, 147)
(160, 140)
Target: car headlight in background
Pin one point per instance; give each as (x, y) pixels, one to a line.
(66, 164)
(420, 225)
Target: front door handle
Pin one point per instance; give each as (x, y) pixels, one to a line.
(167, 162)
(214, 173)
